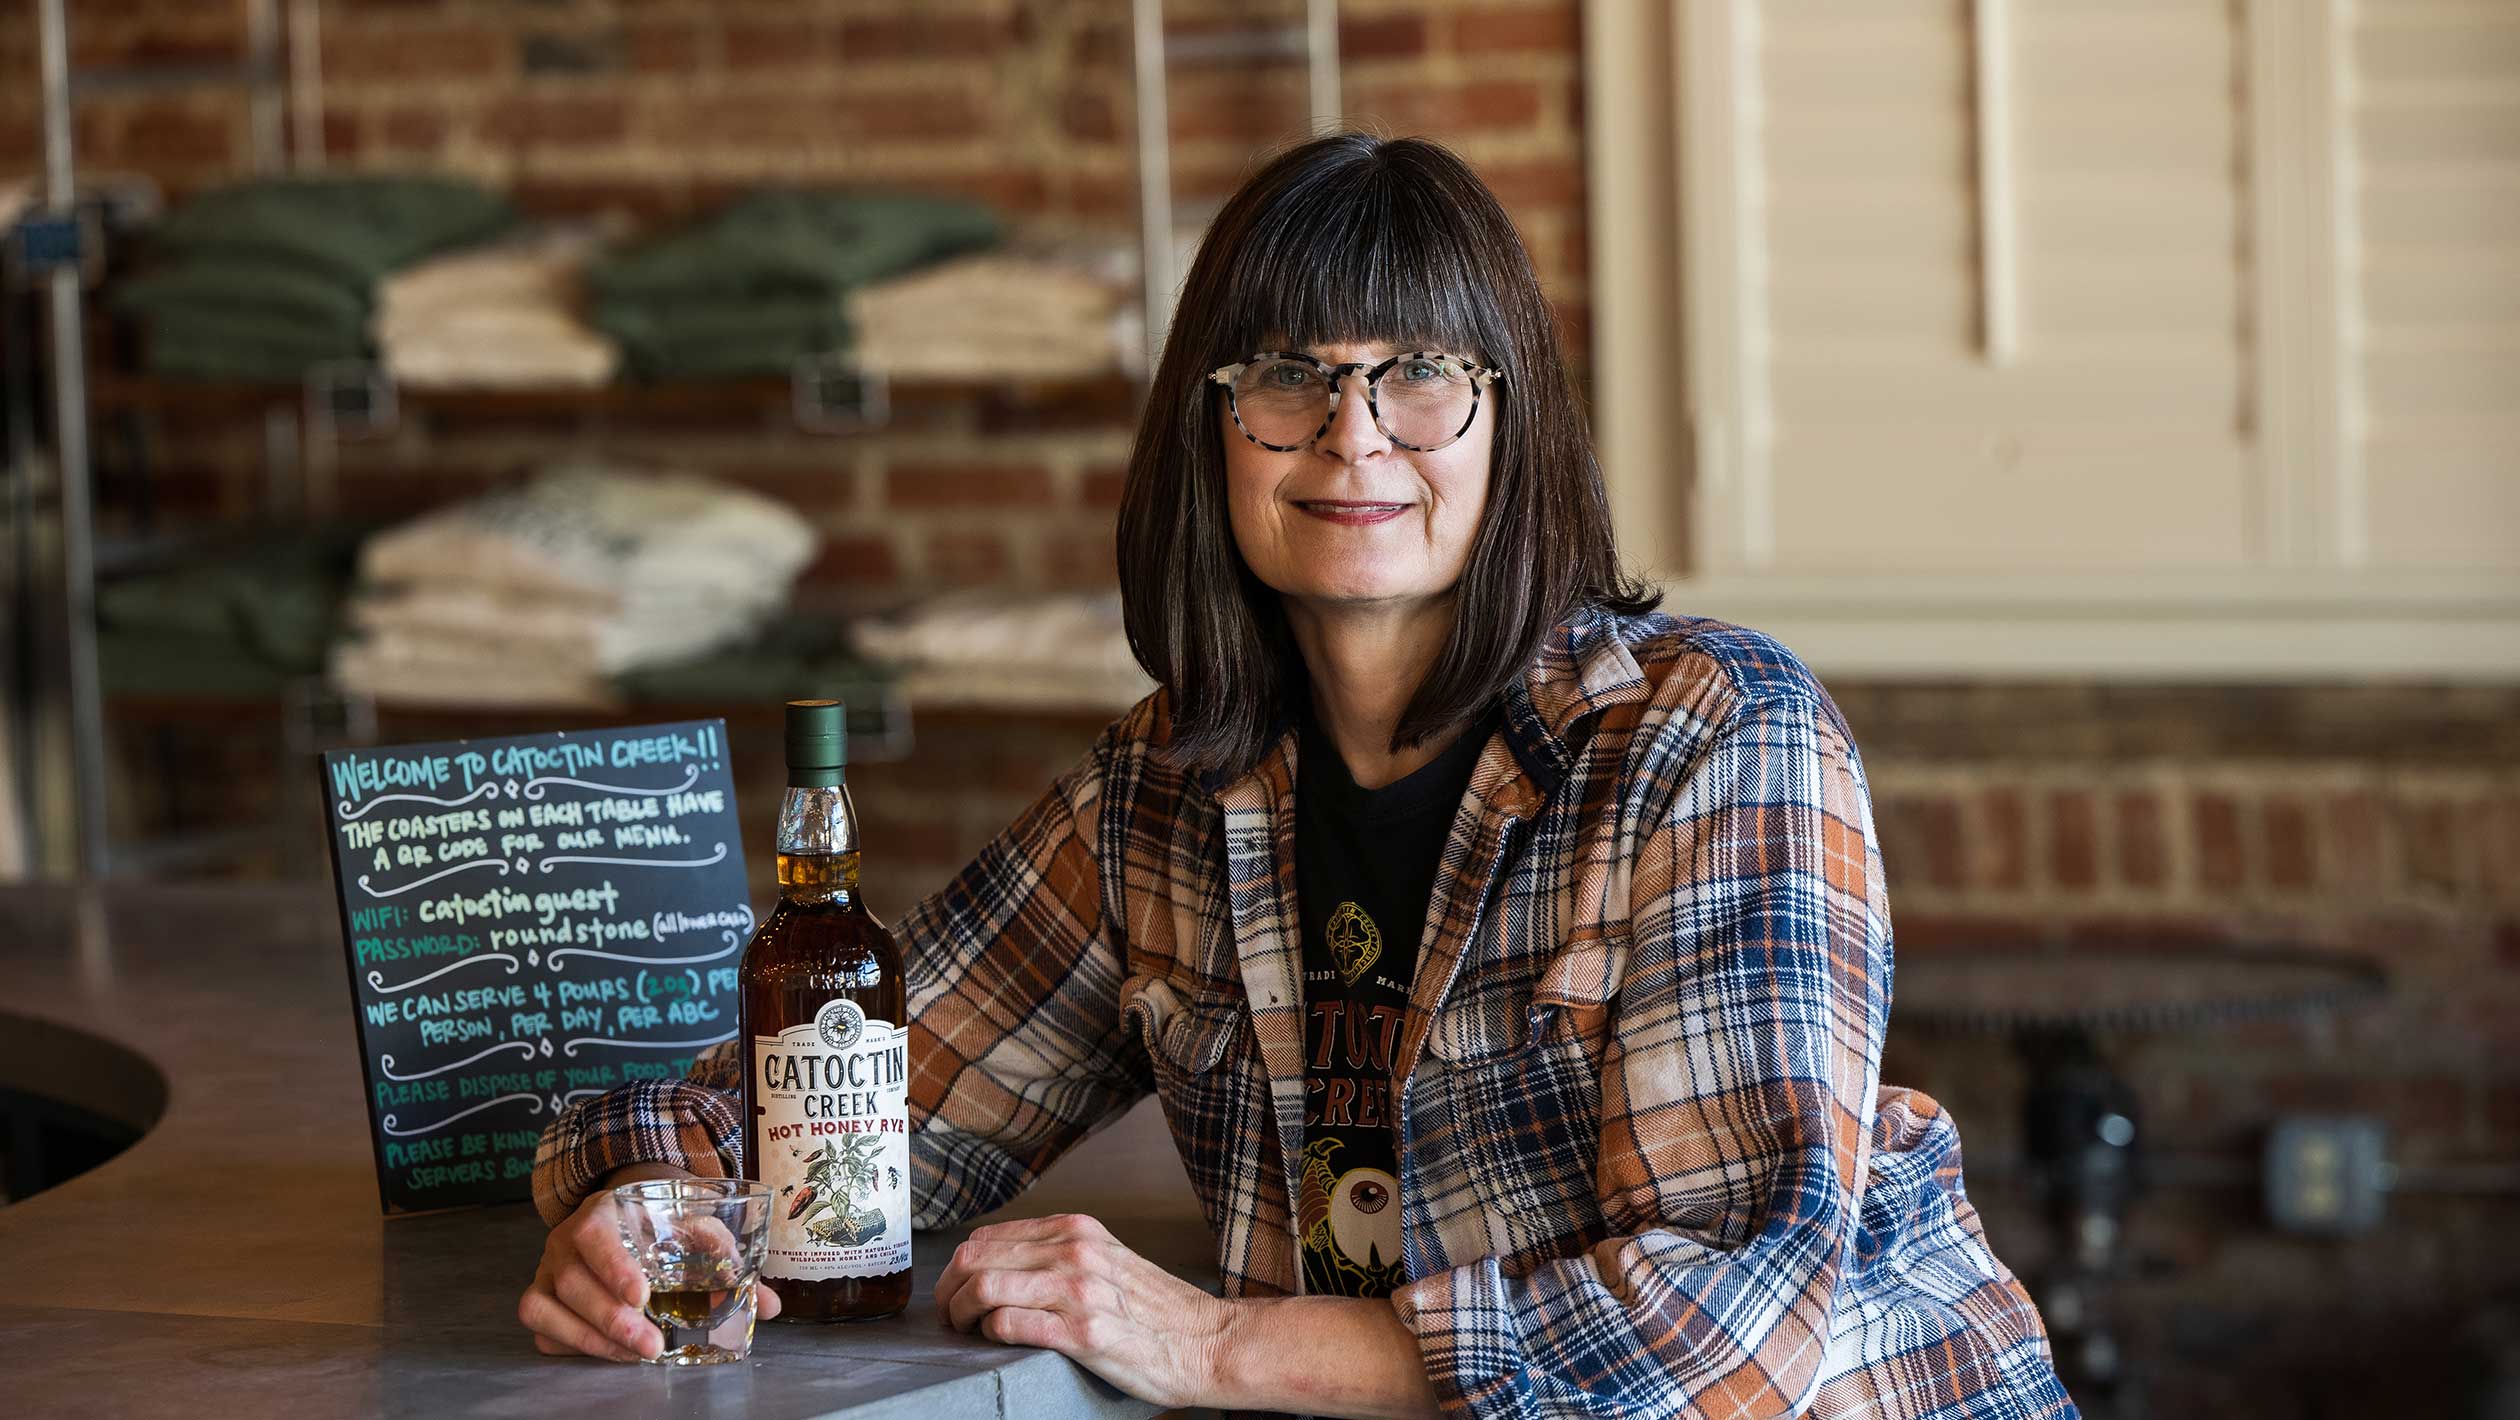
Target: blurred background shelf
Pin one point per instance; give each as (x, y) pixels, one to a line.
(137, 470)
(999, 403)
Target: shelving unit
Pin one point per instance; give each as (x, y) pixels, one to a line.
(281, 80)
(1315, 40)
(280, 70)
(1090, 397)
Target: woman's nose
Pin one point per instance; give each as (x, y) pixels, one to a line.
(1352, 434)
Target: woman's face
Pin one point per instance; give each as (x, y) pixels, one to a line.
(1356, 520)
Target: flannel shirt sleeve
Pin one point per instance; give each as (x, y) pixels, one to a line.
(1017, 1047)
(692, 1123)
(1736, 1106)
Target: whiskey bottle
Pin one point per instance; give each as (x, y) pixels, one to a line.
(827, 1080)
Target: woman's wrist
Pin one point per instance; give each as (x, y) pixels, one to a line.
(1266, 1354)
(1225, 1372)
(641, 1173)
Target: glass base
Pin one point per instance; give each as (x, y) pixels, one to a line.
(699, 1354)
(728, 1336)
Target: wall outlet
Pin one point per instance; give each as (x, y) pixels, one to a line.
(2327, 1175)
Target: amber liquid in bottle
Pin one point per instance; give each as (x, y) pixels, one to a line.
(818, 945)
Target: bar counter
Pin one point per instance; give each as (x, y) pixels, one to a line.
(235, 1262)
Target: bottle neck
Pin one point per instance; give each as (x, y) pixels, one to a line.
(818, 844)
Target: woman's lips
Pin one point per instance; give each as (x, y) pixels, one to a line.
(1352, 514)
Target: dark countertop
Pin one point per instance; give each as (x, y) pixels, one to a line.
(235, 1260)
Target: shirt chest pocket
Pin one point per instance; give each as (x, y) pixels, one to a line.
(1212, 1099)
(1507, 1101)
(1500, 1011)
(1185, 1034)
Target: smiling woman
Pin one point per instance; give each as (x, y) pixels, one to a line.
(1350, 249)
(1511, 962)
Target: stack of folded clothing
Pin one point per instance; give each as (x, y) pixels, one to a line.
(1040, 306)
(757, 286)
(799, 655)
(241, 619)
(543, 594)
(502, 315)
(1000, 650)
(262, 279)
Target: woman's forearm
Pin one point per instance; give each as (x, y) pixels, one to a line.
(642, 1173)
(1349, 1356)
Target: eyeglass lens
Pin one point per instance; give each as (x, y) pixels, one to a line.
(1423, 401)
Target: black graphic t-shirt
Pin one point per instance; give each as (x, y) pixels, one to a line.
(1365, 862)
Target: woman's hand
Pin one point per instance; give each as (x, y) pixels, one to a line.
(587, 1293)
(1064, 1283)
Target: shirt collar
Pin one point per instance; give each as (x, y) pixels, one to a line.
(1582, 669)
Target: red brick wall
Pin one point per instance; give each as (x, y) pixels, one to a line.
(2374, 820)
(664, 106)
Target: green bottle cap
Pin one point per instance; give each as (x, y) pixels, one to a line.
(817, 742)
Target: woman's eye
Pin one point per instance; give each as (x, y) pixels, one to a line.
(1421, 370)
(1291, 377)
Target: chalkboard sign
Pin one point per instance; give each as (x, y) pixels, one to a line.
(529, 921)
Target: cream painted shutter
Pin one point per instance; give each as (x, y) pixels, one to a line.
(2115, 437)
(2433, 107)
(2157, 338)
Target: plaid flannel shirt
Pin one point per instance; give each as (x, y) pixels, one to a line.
(1647, 1165)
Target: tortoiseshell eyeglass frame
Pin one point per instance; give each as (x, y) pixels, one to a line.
(1481, 376)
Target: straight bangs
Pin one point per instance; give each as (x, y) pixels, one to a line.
(1353, 257)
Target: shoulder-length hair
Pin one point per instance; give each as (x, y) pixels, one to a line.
(1353, 238)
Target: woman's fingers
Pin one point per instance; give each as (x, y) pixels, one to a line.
(599, 1306)
(1023, 1326)
(989, 1244)
(706, 1238)
(558, 1331)
(1052, 1225)
(1041, 1286)
(978, 1256)
(549, 1347)
(1065, 1283)
(594, 1242)
(766, 1300)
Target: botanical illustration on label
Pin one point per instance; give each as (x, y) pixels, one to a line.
(835, 1142)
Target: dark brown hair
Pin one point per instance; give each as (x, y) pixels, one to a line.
(1353, 238)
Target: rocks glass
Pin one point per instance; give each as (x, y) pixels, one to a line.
(699, 1240)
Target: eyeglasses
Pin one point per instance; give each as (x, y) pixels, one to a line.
(1285, 399)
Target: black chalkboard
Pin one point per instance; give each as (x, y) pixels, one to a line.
(529, 921)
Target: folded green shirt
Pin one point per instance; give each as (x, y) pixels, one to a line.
(271, 601)
(789, 242)
(261, 294)
(795, 656)
(755, 335)
(188, 346)
(352, 228)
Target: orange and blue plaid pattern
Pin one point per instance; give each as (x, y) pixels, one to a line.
(1648, 1167)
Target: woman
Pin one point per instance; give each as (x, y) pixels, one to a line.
(1512, 962)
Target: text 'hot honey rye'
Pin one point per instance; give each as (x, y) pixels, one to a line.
(827, 1075)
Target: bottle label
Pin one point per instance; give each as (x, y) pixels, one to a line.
(834, 1096)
